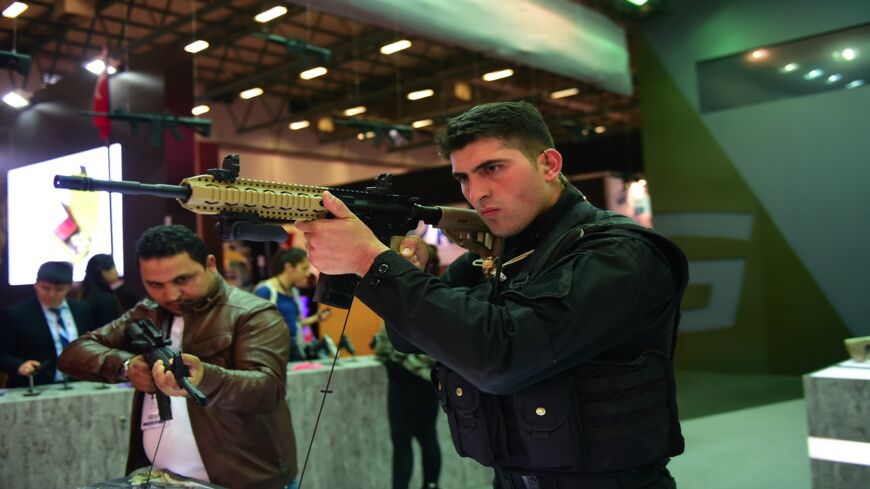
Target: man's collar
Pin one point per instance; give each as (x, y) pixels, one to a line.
(63, 305)
(529, 237)
(215, 291)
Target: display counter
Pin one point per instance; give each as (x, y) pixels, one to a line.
(838, 411)
(64, 438)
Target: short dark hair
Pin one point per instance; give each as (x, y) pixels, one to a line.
(293, 256)
(56, 272)
(169, 240)
(518, 124)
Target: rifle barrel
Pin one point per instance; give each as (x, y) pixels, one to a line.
(126, 187)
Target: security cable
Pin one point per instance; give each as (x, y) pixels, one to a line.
(326, 391)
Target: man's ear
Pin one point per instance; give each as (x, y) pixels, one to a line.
(552, 164)
(211, 263)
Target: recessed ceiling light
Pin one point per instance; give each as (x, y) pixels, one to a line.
(313, 73)
(568, 92)
(813, 74)
(396, 46)
(849, 54)
(421, 123)
(200, 109)
(854, 84)
(196, 46)
(498, 75)
(834, 78)
(789, 68)
(295, 126)
(359, 109)
(600, 129)
(251, 93)
(759, 55)
(421, 94)
(272, 13)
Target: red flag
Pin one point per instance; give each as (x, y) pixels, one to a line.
(101, 104)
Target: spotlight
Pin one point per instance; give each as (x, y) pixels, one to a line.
(498, 75)
(313, 73)
(568, 92)
(17, 99)
(96, 66)
(600, 129)
(396, 46)
(421, 94)
(251, 93)
(196, 46)
(359, 109)
(271, 14)
(14, 10)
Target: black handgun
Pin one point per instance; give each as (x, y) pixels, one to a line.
(148, 340)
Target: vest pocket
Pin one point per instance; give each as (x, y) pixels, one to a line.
(547, 417)
(474, 418)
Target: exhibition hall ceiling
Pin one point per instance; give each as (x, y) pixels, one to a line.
(421, 85)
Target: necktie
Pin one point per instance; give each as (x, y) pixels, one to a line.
(61, 328)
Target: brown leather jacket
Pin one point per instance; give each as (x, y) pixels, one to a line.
(244, 434)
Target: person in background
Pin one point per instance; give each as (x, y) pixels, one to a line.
(412, 406)
(34, 332)
(97, 290)
(555, 366)
(235, 346)
(291, 266)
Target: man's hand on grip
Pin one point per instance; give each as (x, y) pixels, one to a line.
(165, 379)
(414, 249)
(340, 245)
(139, 375)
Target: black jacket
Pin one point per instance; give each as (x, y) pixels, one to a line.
(596, 289)
(24, 335)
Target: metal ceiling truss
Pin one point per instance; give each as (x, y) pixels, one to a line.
(358, 73)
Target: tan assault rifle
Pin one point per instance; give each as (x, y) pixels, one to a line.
(253, 210)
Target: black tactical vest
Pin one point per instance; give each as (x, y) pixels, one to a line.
(595, 417)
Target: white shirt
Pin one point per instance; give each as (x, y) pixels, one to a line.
(69, 325)
(178, 451)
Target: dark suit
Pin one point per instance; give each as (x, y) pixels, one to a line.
(24, 335)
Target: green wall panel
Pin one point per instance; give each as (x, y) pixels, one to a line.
(783, 323)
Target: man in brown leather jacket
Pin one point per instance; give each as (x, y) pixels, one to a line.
(235, 346)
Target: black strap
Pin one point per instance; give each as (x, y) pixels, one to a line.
(653, 371)
(653, 397)
(634, 426)
(639, 478)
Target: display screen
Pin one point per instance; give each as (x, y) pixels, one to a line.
(49, 224)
